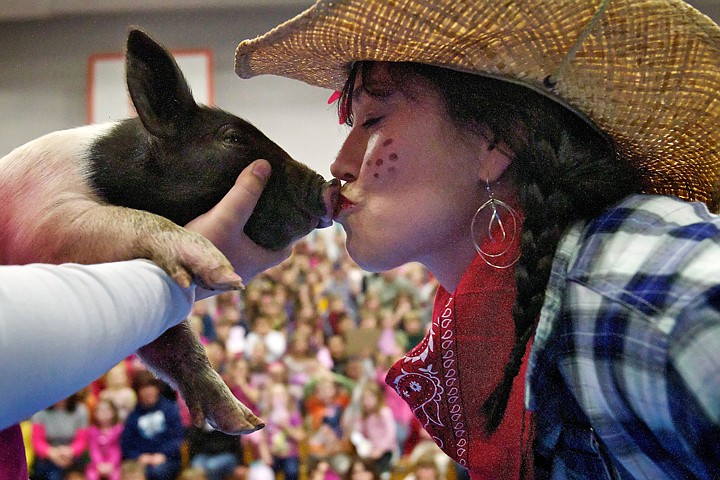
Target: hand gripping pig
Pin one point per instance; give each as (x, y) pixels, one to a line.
(85, 195)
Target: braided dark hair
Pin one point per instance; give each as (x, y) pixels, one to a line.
(564, 170)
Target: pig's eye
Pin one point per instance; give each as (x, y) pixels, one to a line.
(232, 137)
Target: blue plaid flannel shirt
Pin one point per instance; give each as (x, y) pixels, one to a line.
(624, 372)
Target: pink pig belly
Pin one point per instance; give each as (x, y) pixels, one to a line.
(43, 183)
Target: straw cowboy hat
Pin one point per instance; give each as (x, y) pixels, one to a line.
(647, 72)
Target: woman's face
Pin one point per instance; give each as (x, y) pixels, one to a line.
(411, 182)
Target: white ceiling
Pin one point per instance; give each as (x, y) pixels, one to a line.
(37, 9)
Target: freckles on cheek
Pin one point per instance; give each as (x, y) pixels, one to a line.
(385, 163)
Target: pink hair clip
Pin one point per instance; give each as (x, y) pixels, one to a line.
(342, 112)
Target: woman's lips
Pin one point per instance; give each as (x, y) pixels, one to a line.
(342, 205)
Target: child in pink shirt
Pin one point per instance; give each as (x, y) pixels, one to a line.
(373, 429)
(104, 443)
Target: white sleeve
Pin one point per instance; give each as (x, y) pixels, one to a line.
(63, 326)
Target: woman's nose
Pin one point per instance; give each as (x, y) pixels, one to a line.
(347, 163)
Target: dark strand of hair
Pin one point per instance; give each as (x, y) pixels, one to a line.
(566, 172)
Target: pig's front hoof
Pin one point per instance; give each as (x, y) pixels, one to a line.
(188, 256)
(211, 400)
(220, 278)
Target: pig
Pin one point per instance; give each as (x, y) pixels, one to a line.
(122, 190)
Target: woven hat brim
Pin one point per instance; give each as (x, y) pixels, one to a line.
(648, 74)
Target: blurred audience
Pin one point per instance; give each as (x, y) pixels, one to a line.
(132, 470)
(153, 431)
(104, 443)
(324, 406)
(214, 454)
(118, 390)
(371, 427)
(278, 444)
(306, 346)
(59, 439)
(361, 469)
(194, 474)
(424, 468)
(261, 332)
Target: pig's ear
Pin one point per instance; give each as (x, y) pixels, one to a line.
(157, 87)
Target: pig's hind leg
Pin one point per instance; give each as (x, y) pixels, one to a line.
(178, 358)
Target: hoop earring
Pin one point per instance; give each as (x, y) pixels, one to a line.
(496, 225)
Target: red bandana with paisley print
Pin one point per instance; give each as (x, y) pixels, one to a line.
(446, 378)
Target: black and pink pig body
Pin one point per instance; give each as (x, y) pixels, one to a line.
(122, 190)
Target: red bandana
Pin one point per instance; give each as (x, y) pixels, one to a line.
(447, 377)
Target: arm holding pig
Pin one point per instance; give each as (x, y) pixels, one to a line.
(62, 326)
(223, 226)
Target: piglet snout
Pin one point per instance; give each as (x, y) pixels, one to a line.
(330, 196)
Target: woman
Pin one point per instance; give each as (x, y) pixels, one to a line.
(504, 145)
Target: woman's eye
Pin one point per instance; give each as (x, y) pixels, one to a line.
(371, 121)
